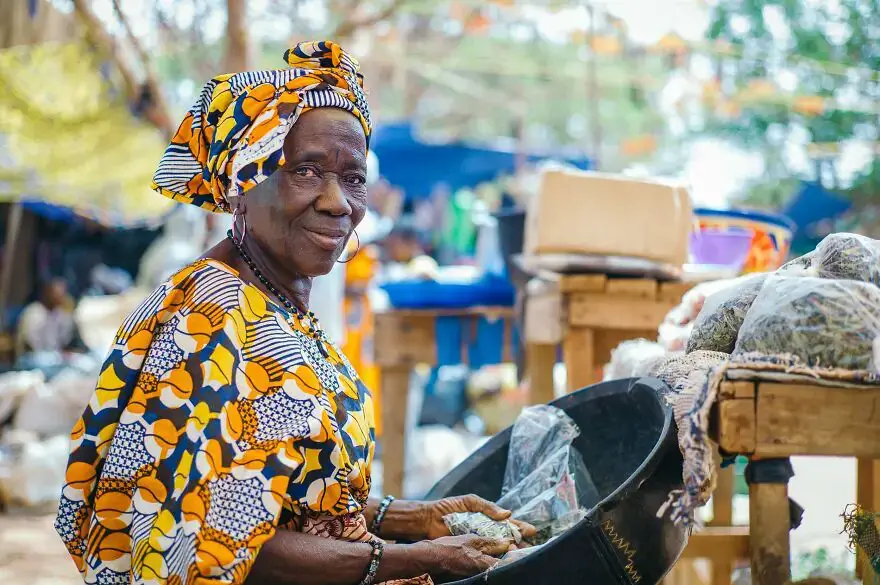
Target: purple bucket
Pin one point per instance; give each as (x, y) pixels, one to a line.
(728, 248)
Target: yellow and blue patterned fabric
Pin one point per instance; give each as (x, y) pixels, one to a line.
(233, 137)
(216, 420)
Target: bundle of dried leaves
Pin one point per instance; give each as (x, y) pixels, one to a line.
(826, 323)
(718, 324)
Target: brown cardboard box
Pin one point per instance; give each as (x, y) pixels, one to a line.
(579, 212)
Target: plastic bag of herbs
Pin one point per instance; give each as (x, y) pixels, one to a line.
(546, 482)
(718, 324)
(826, 323)
(842, 256)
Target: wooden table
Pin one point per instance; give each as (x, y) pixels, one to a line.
(590, 315)
(404, 339)
(772, 421)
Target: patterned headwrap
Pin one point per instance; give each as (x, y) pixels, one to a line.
(232, 139)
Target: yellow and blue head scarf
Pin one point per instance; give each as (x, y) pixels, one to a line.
(232, 139)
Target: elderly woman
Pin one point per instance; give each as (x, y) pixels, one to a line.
(228, 440)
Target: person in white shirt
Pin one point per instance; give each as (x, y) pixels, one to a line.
(47, 325)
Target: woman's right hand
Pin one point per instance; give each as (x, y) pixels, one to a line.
(463, 556)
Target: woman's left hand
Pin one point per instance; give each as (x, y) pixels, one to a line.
(435, 511)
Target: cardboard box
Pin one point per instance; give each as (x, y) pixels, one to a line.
(579, 212)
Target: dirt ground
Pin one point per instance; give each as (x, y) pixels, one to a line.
(32, 554)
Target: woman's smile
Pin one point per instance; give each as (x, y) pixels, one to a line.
(326, 239)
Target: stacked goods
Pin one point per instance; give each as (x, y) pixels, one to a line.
(717, 326)
(822, 308)
(825, 323)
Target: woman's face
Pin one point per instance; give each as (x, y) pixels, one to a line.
(310, 207)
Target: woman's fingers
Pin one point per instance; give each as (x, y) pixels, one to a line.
(492, 510)
(526, 529)
(491, 547)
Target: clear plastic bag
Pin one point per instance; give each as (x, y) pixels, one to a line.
(840, 256)
(825, 323)
(634, 358)
(718, 324)
(546, 482)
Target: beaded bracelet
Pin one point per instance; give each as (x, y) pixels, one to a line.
(375, 558)
(380, 514)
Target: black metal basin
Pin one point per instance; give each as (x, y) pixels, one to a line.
(628, 442)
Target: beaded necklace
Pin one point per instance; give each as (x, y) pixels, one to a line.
(308, 319)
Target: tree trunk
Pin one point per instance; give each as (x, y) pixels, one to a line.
(237, 44)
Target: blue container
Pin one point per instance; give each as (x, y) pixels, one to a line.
(493, 291)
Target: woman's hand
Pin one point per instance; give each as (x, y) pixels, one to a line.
(462, 556)
(435, 511)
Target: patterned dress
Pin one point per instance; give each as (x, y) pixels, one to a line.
(215, 421)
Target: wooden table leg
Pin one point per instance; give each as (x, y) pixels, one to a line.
(395, 398)
(722, 515)
(579, 352)
(770, 523)
(867, 496)
(540, 361)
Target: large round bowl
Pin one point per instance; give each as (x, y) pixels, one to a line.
(771, 239)
(628, 442)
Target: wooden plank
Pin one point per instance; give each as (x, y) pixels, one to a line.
(642, 288)
(730, 543)
(404, 340)
(594, 283)
(540, 360)
(770, 525)
(867, 496)
(579, 350)
(736, 389)
(801, 419)
(737, 429)
(672, 292)
(608, 312)
(395, 397)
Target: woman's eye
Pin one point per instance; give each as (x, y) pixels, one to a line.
(356, 180)
(305, 172)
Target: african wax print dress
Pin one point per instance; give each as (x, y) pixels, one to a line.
(216, 420)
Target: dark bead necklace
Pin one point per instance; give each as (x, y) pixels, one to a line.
(308, 319)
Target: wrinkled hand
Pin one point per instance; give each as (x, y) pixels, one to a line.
(464, 556)
(435, 511)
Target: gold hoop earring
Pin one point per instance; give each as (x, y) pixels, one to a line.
(356, 250)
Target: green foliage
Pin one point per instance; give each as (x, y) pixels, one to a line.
(827, 49)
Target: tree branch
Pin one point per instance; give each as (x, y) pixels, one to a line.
(158, 108)
(349, 27)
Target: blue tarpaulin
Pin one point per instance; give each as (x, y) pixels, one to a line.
(418, 167)
(812, 209)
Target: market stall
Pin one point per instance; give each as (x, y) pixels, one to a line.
(782, 364)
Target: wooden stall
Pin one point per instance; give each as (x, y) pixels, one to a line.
(404, 339)
(590, 315)
(772, 421)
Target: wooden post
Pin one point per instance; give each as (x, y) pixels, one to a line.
(13, 225)
(579, 349)
(540, 361)
(722, 515)
(395, 402)
(867, 496)
(770, 520)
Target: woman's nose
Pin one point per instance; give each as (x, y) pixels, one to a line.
(332, 199)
